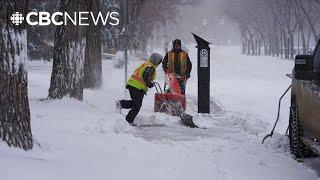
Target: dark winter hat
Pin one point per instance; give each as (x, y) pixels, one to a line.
(176, 41)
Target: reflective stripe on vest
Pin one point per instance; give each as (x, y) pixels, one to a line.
(182, 59)
(136, 80)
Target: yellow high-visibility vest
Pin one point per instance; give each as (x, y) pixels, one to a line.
(182, 59)
(136, 80)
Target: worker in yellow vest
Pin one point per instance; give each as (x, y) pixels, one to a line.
(177, 61)
(138, 85)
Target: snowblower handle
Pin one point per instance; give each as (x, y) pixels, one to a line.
(157, 86)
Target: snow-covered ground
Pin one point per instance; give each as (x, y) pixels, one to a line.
(89, 140)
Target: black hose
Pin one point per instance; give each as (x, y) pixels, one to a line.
(278, 115)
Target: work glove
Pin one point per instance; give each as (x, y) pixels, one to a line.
(150, 84)
(184, 78)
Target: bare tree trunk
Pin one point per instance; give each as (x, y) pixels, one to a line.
(68, 59)
(276, 44)
(276, 49)
(251, 43)
(244, 40)
(259, 45)
(243, 47)
(298, 48)
(280, 47)
(256, 47)
(15, 127)
(92, 63)
(270, 46)
(248, 47)
(304, 43)
(287, 46)
(284, 45)
(291, 40)
(265, 48)
(309, 41)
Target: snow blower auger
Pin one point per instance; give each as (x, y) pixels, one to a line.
(172, 95)
(172, 102)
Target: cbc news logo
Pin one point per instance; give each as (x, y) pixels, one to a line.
(17, 18)
(80, 18)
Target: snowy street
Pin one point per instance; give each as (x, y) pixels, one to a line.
(90, 140)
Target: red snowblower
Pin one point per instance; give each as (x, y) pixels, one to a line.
(172, 101)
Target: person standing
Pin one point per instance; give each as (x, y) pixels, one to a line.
(178, 62)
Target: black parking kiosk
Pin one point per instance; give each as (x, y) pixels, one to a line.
(203, 74)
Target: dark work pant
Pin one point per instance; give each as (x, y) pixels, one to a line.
(134, 104)
(182, 84)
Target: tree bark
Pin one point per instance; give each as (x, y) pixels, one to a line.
(15, 128)
(68, 58)
(92, 62)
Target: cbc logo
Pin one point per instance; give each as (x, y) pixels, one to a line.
(16, 18)
(77, 18)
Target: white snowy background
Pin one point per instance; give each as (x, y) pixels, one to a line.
(90, 140)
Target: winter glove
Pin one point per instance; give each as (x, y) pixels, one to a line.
(182, 78)
(149, 84)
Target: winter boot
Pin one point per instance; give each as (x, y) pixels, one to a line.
(118, 106)
(133, 124)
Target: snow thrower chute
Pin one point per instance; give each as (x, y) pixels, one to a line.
(172, 101)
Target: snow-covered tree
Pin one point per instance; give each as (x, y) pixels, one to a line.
(69, 54)
(41, 38)
(92, 63)
(110, 34)
(15, 127)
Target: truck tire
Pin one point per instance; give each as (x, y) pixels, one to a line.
(297, 147)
